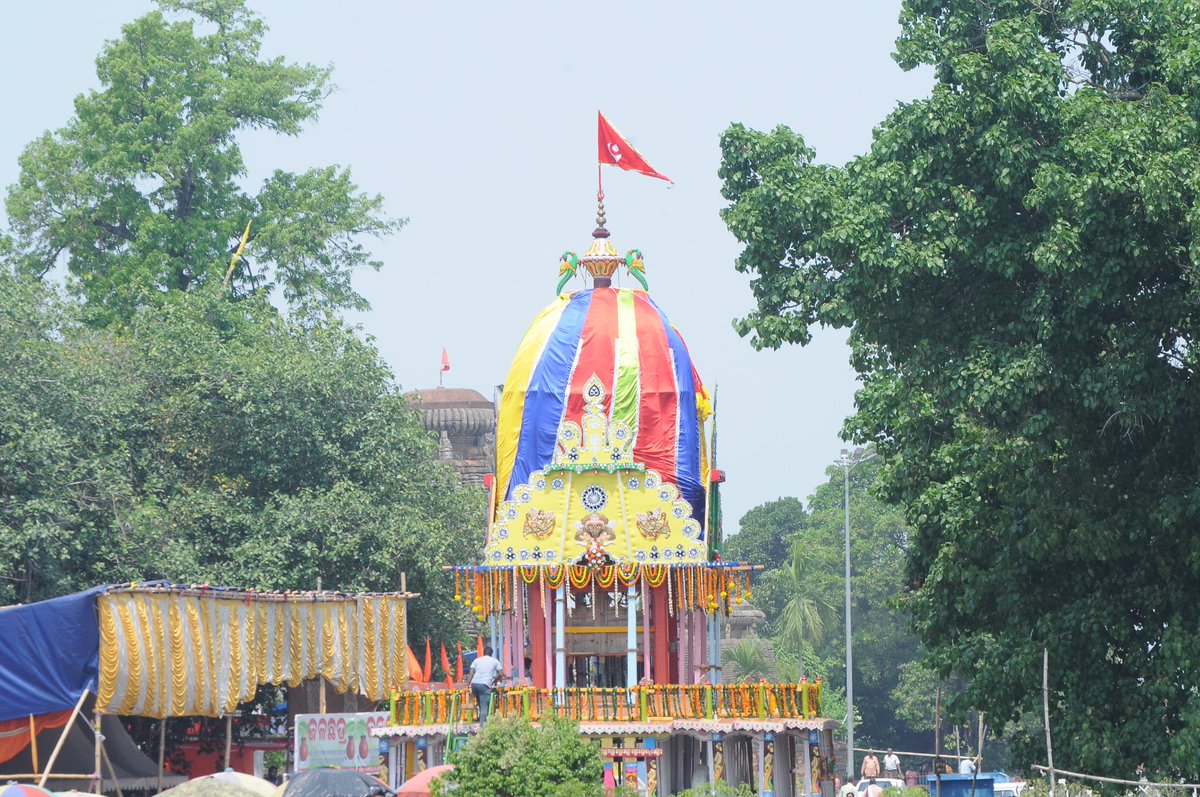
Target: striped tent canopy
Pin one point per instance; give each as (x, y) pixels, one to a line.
(622, 338)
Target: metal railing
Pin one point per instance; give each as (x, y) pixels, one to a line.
(648, 703)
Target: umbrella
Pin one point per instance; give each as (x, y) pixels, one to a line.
(24, 790)
(263, 788)
(333, 783)
(418, 784)
(73, 793)
(208, 787)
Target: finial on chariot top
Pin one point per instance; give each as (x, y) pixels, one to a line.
(601, 259)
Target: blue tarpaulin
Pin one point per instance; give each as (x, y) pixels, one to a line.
(49, 655)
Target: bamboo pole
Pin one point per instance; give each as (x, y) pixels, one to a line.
(162, 751)
(98, 735)
(897, 752)
(111, 769)
(33, 742)
(1102, 779)
(229, 738)
(61, 740)
(937, 740)
(1046, 713)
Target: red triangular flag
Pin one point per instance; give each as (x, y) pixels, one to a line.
(445, 360)
(458, 665)
(616, 151)
(478, 646)
(428, 671)
(446, 667)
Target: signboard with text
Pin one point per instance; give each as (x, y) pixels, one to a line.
(338, 740)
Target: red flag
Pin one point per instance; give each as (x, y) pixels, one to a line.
(428, 671)
(446, 668)
(414, 667)
(445, 360)
(479, 646)
(616, 151)
(458, 665)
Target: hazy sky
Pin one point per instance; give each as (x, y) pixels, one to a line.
(477, 122)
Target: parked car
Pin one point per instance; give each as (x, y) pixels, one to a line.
(882, 783)
(1012, 788)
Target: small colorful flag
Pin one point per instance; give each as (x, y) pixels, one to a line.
(428, 671)
(458, 665)
(616, 151)
(445, 360)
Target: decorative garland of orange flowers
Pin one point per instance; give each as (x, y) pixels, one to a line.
(710, 588)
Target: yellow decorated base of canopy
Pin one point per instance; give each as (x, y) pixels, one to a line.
(594, 505)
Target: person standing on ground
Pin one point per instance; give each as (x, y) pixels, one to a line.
(485, 672)
(870, 766)
(891, 765)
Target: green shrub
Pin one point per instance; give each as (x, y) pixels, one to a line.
(512, 758)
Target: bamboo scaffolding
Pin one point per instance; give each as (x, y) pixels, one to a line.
(61, 740)
(1119, 781)
(325, 596)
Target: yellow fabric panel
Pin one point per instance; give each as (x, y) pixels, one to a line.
(110, 655)
(178, 660)
(149, 691)
(369, 620)
(196, 658)
(164, 654)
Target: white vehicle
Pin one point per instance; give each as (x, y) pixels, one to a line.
(1012, 788)
(882, 783)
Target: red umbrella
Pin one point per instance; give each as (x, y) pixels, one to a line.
(418, 784)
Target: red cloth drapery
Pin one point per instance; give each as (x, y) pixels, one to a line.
(14, 734)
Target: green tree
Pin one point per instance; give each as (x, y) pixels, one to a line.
(141, 192)
(883, 641)
(1015, 257)
(511, 756)
(215, 442)
(764, 531)
(810, 609)
(748, 659)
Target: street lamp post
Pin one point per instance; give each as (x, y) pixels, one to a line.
(846, 462)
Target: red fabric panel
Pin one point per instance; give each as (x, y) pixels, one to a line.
(596, 353)
(14, 734)
(662, 650)
(537, 637)
(658, 404)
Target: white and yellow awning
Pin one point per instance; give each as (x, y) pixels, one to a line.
(190, 652)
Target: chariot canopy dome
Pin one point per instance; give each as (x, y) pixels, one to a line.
(602, 413)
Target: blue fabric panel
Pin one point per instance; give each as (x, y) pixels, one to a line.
(687, 457)
(49, 654)
(546, 396)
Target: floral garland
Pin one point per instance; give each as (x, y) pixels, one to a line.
(711, 588)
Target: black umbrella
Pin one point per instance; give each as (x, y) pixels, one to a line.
(336, 783)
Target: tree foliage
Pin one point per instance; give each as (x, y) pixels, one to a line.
(802, 595)
(763, 532)
(214, 442)
(1016, 256)
(511, 756)
(141, 193)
